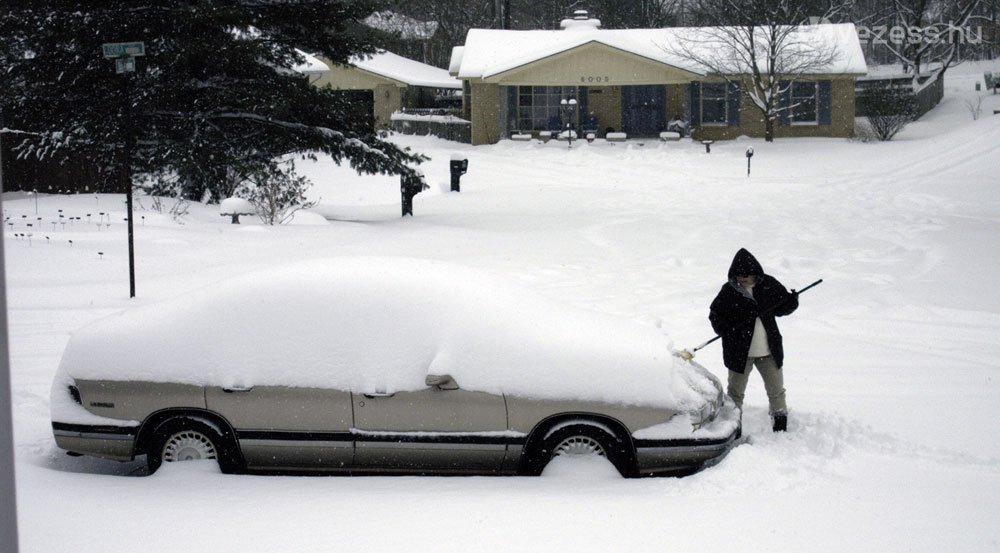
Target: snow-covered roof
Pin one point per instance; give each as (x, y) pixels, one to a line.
(489, 52)
(405, 70)
(456, 59)
(311, 64)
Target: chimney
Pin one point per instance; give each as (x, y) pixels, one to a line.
(580, 20)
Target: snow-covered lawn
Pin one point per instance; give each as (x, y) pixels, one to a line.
(892, 364)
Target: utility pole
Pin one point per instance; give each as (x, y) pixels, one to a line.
(501, 14)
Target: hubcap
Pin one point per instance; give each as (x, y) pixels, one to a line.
(579, 445)
(188, 446)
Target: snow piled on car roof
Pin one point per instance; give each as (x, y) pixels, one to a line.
(368, 324)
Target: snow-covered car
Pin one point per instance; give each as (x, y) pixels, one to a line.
(383, 365)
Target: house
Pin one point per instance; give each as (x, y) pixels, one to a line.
(388, 82)
(635, 81)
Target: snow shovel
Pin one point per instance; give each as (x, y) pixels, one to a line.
(689, 355)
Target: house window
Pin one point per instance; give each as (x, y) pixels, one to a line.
(538, 107)
(713, 103)
(805, 103)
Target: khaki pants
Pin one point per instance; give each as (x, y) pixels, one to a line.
(774, 383)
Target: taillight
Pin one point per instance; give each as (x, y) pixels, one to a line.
(74, 393)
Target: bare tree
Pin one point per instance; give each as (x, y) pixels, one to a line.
(646, 14)
(760, 44)
(926, 36)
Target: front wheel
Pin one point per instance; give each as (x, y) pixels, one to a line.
(189, 439)
(584, 439)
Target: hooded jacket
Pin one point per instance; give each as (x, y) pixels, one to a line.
(734, 312)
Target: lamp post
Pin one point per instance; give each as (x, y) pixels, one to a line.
(749, 155)
(569, 114)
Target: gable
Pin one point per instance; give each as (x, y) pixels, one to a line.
(341, 77)
(593, 63)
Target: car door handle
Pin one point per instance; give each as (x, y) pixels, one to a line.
(237, 389)
(378, 394)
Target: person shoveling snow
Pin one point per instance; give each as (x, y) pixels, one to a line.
(750, 336)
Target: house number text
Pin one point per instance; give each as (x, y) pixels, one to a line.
(595, 79)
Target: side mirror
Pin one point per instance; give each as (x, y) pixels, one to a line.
(441, 381)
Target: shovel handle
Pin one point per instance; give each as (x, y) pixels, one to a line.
(767, 310)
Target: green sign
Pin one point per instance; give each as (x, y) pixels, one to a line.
(124, 49)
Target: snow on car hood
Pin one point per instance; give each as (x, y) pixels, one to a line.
(369, 324)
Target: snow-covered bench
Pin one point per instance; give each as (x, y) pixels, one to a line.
(234, 207)
(521, 137)
(615, 137)
(670, 136)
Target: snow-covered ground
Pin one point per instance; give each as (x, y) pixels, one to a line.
(892, 364)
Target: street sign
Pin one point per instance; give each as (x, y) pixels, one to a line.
(125, 65)
(124, 49)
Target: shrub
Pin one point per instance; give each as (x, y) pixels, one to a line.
(888, 109)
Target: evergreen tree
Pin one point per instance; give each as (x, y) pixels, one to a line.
(214, 100)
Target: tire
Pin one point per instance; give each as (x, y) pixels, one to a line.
(583, 439)
(191, 438)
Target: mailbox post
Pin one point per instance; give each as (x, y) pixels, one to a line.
(749, 155)
(410, 186)
(459, 166)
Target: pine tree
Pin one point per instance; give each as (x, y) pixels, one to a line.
(214, 100)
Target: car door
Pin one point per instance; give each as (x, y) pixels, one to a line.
(281, 427)
(432, 429)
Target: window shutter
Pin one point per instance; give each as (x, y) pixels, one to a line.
(785, 100)
(694, 93)
(733, 104)
(513, 119)
(825, 102)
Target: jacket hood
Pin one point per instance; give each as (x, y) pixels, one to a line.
(744, 263)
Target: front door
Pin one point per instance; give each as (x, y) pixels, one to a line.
(644, 110)
(432, 429)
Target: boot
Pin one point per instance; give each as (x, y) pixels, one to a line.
(780, 421)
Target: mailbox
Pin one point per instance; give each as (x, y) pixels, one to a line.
(459, 166)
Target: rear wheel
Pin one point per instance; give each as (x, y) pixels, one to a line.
(190, 439)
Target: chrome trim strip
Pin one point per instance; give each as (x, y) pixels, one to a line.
(94, 435)
(295, 443)
(430, 445)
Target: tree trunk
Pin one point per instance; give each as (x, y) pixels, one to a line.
(768, 129)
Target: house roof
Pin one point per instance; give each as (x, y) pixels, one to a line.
(311, 65)
(405, 70)
(488, 52)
